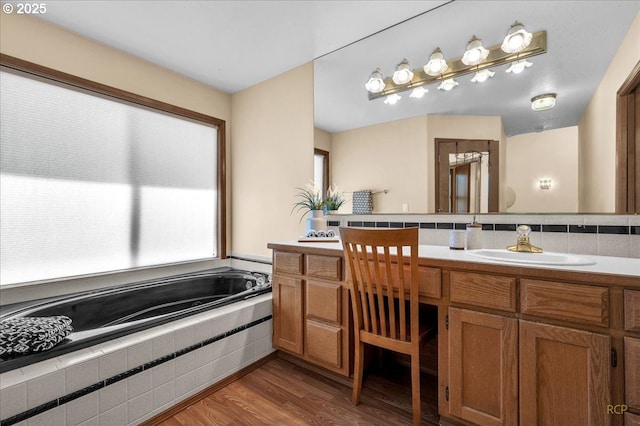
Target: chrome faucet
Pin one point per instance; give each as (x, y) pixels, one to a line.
(523, 244)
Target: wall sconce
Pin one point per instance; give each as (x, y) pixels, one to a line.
(519, 46)
(545, 183)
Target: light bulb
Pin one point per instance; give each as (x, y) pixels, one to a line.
(418, 92)
(518, 66)
(482, 76)
(403, 73)
(375, 83)
(392, 99)
(448, 84)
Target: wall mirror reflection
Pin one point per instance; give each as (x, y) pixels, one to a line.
(591, 50)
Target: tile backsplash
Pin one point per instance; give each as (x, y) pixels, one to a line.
(598, 234)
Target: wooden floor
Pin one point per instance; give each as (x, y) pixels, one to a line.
(281, 393)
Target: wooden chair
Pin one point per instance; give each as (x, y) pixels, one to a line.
(385, 298)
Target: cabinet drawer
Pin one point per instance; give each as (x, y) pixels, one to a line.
(429, 282)
(632, 372)
(287, 262)
(632, 310)
(324, 343)
(325, 267)
(489, 291)
(579, 303)
(324, 301)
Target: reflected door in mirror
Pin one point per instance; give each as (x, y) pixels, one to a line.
(459, 185)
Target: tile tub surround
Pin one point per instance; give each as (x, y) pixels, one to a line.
(136, 377)
(597, 234)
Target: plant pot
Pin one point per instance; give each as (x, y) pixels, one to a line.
(316, 222)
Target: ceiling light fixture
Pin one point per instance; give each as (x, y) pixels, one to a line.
(448, 84)
(518, 66)
(392, 99)
(403, 74)
(482, 76)
(418, 92)
(475, 52)
(376, 83)
(543, 102)
(517, 39)
(475, 60)
(437, 65)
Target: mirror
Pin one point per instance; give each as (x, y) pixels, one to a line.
(390, 149)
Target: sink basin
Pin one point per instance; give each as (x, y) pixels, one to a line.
(550, 258)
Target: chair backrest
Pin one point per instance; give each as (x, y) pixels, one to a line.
(387, 259)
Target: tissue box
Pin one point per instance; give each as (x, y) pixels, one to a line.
(362, 202)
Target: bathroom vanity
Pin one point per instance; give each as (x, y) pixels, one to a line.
(517, 343)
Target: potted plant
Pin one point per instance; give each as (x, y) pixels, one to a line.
(310, 200)
(334, 199)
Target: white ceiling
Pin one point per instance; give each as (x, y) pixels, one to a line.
(232, 45)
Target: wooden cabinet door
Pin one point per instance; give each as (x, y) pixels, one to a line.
(564, 376)
(323, 333)
(288, 317)
(483, 367)
(632, 372)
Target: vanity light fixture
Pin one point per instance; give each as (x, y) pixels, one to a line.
(376, 83)
(475, 52)
(418, 92)
(543, 102)
(482, 76)
(517, 39)
(545, 183)
(437, 65)
(475, 59)
(403, 74)
(518, 66)
(392, 99)
(447, 84)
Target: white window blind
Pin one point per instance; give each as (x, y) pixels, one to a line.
(89, 184)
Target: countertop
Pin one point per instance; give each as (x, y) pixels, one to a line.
(609, 265)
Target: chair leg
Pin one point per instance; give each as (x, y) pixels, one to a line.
(415, 387)
(357, 371)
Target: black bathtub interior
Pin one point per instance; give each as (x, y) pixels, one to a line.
(98, 316)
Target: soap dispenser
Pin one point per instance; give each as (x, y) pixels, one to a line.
(474, 235)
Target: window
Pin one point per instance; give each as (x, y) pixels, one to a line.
(90, 183)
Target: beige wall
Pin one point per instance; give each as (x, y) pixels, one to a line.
(399, 156)
(390, 156)
(321, 140)
(546, 155)
(271, 155)
(598, 129)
